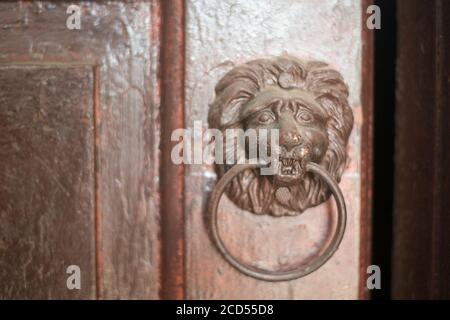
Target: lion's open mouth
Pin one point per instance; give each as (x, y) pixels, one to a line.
(290, 166)
(294, 165)
(290, 171)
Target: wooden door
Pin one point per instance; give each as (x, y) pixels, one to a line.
(86, 173)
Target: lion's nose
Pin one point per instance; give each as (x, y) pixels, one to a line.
(290, 140)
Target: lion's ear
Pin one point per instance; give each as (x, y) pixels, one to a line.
(231, 114)
(225, 111)
(338, 111)
(330, 104)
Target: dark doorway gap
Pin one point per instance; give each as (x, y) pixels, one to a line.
(384, 124)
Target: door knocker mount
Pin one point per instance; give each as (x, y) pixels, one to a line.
(307, 102)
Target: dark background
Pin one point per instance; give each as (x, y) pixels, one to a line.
(384, 126)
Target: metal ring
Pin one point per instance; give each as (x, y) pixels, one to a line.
(269, 275)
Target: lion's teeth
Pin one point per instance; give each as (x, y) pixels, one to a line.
(290, 166)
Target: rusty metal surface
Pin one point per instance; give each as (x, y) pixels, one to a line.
(46, 181)
(172, 117)
(122, 41)
(221, 35)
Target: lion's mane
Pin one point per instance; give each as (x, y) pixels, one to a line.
(253, 192)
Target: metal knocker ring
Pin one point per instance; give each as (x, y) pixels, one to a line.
(269, 275)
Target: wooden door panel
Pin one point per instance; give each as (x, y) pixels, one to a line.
(47, 193)
(223, 34)
(119, 43)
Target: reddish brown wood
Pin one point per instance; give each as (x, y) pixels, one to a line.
(366, 154)
(46, 181)
(421, 263)
(172, 176)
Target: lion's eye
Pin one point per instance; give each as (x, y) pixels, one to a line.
(304, 116)
(266, 117)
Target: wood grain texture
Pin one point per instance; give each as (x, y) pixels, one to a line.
(220, 35)
(421, 263)
(46, 181)
(122, 41)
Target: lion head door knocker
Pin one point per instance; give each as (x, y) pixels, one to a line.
(306, 101)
